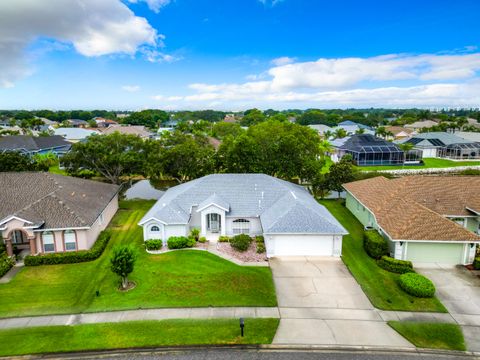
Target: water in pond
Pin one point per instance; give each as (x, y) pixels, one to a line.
(148, 190)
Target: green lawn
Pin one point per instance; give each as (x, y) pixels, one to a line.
(49, 339)
(379, 285)
(431, 335)
(175, 279)
(428, 164)
(56, 170)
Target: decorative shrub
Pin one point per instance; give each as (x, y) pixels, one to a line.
(155, 244)
(240, 242)
(476, 263)
(394, 265)
(416, 285)
(259, 239)
(180, 242)
(202, 240)
(260, 248)
(375, 245)
(195, 233)
(223, 239)
(73, 256)
(6, 263)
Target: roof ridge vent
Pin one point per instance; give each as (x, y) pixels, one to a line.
(293, 194)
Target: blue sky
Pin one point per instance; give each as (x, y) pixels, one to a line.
(237, 54)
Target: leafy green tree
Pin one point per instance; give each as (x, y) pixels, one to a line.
(112, 156)
(238, 155)
(252, 117)
(149, 118)
(122, 262)
(278, 117)
(340, 173)
(16, 161)
(45, 161)
(340, 133)
(314, 117)
(222, 129)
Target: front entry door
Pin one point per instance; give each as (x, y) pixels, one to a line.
(214, 222)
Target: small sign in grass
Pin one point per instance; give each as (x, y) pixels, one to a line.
(431, 335)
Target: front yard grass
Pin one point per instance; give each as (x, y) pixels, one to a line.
(379, 285)
(431, 335)
(429, 163)
(186, 278)
(138, 334)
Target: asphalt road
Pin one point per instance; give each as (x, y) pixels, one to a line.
(233, 354)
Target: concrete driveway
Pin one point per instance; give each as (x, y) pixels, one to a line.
(459, 291)
(321, 303)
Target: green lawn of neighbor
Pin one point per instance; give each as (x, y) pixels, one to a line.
(379, 285)
(431, 335)
(56, 170)
(58, 339)
(176, 279)
(428, 164)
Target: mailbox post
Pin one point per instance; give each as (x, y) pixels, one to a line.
(242, 325)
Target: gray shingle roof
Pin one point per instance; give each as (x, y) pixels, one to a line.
(283, 207)
(53, 200)
(445, 138)
(214, 199)
(32, 143)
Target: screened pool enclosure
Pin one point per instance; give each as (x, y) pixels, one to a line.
(460, 151)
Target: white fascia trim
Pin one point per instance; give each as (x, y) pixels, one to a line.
(306, 233)
(460, 216)
(14, 217)
(441, 241)
(66, 228)
(470, 209)
(220, 207)
(143, 222)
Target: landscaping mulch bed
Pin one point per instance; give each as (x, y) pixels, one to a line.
(247, 256)
(198, 246)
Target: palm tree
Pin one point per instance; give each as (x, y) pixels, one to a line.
(405, 147)
(340, 133)
(327, 134)
(381, 131)
(360, 131)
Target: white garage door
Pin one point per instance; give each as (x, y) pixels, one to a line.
(299, 245)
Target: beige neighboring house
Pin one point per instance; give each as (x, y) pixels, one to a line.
(138, 130)
(46, 213)
(399, 132)
(419, 125)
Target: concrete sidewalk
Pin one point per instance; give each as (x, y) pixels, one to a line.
(147, 314)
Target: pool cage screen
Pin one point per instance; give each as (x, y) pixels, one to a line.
(375, 155)
(460, 151)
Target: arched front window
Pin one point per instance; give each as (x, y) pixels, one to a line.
(70, 239)
(48, 241)
(241, 226)
(154, 228)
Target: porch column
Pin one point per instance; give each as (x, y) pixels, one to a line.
(223, 226)
(33, 246)
(8, 244)
(203, 230)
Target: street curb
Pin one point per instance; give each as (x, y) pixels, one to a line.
(260, 348)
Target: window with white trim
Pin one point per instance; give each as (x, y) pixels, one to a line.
(70, 238)
(241, 226)
(48, 241)
(154, 228)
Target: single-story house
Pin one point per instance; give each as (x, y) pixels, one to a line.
(352, 127)
(399, 132)
(367, 150)
(426, 219)
(137, 130)
(321, 128)
(444, 145)
(75, 135)
(290, 219)
(35, 144)
(47, 213)
(419, 125)
(78, 123)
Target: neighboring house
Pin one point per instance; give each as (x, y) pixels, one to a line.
(472, 136)
(291, 220)
(473, 122)
(35, 144)
(171, 123)
(399, 132)
(367, 150)
(77, 123)
(47, 213)
(103, 123)
(214, 142)
(75, 135)
(425, 219)
(230, 118)
(445, 145)
(321, 129)
(137, 130)
(352, 128)
(419, 125)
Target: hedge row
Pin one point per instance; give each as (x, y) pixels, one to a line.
(416, 285)
(6, 263)
(180, 242)
(394, 265)
(73, 256)
(476, 263)
(375, 245)
(154, 244)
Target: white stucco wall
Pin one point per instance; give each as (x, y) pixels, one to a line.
(429, 153)
(255, 225)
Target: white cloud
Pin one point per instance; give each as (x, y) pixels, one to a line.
(131, 88)
(284, 60)
(154, 5)
(93, 27)
(390, 80)
(270, 2)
